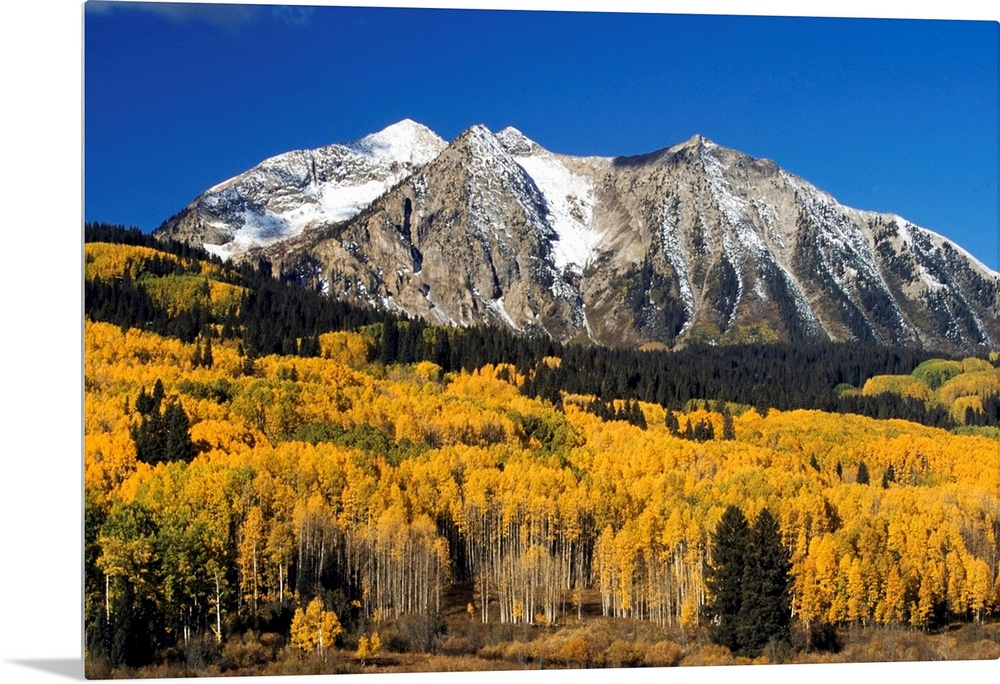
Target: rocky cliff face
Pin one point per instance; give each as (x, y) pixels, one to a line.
(693, 242)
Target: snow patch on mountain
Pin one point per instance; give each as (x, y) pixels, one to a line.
(670, 238)
(907, 229)
(498, 308)
(569, 198)
(842, 241)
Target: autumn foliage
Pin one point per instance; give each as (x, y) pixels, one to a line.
(319, 496)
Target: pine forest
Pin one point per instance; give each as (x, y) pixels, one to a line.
(279, 483)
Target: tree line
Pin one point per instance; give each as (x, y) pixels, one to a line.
(275, 315)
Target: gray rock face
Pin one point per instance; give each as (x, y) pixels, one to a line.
(693, 242)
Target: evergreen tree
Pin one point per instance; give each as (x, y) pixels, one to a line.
(177, 445)
(161, 435)
(672, 423)
(206, 357)
(728, 431)
(158, 393)
(389, 351)
(888, 476)
(748, 581)
(724, 579)
(636, 416)
(766, 606)
(862, 477)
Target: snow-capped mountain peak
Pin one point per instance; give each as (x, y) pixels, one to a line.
(517, 143)
(692, 242)
(288, 194)
(405, 141)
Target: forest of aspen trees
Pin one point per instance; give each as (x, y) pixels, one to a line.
(353, 490)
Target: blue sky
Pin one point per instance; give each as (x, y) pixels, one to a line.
(889, 115)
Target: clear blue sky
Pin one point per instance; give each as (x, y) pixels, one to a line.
(888, 115)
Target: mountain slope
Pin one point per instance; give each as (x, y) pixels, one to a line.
(287, 194)
(692, 242)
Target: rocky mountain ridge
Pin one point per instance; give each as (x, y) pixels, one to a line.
(694, 242)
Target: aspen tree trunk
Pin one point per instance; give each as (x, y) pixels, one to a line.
(218, 610)
(300, 565)
(322, 554)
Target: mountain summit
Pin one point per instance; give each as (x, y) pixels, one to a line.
(694, 242)
(290, 193)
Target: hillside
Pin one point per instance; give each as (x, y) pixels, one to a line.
(433, 510)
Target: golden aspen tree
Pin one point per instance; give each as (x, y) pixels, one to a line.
(315, 629)
(892, 606)
(980, 589)
(251, 556)
(364, 650)
(857, 598)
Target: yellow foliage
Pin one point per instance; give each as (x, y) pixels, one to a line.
(364, 649)
(528, 487)
(315, 628)
(107, 261)
(901, 385)
(979, 383)
(180, 292)
(350, 349)
(109, 459)
(962, 404)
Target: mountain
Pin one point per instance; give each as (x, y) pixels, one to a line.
(294, 192)
(694, 242)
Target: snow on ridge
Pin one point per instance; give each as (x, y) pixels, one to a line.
(494, 179)
(734, 209)
(517, 143)
(670, 237)
(570, 200)
(367, 168)
(939, 241)
(405, 141)
(257, 231)
(844, 235)
(837, 230)
(341, 202)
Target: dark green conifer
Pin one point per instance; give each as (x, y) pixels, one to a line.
(206, 357)
(888, 476)
(728, 430)
(672, 423)
(748, 581)
(766, 607)
(389, 350)
(724, 578)
(862, 476)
